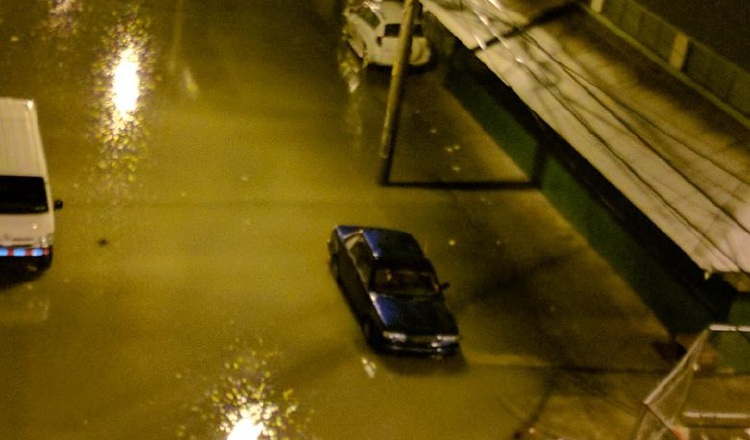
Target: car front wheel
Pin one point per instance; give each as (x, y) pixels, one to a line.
(370, 332)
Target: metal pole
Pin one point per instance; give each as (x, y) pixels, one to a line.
(395, 93)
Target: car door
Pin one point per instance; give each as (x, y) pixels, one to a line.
(355, 26)
(357, 276)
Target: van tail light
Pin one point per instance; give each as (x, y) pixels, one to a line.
(379, 40)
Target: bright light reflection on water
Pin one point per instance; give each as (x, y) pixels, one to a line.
(126, 85)
(246, 429)
(62, 19)
(120, 104)
(244, 402)
(124, 77)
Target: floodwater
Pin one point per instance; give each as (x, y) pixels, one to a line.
(203, 151)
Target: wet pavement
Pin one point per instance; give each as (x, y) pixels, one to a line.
(534, 279)
(190, 297)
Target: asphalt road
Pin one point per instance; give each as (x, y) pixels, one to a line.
(203, 151)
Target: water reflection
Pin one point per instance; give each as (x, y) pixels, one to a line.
(352, 72)
(20, 302)
(62, 20)
(370, 367)
(24, 307)
(246, 429)
(124, 77)
(244, 403)
(125, 88)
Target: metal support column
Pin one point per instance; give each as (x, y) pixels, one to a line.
(395, 93)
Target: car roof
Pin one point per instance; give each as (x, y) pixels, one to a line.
(391, 11)
(389, 244)
(392, 245)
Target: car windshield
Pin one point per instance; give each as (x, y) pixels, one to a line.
(22, 195)
(405, 281)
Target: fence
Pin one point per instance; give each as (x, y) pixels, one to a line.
(707, 395)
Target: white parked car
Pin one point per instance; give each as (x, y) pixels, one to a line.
(372, 30)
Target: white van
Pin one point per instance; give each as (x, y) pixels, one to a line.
(27, 222)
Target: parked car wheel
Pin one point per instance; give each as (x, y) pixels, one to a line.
(334, 266)
(370, 334)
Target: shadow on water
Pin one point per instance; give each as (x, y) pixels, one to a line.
(423, 365)
(13, 273)
(18, 305)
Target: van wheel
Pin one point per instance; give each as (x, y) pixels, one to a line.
(44, 262)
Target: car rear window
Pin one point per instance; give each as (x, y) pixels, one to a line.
(404, 280)
(392, 30)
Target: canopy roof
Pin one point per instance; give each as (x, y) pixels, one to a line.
(677, 157)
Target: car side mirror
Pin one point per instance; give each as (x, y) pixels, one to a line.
(57, 204)
(444, 286)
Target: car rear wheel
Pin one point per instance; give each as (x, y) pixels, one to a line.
(334, 266)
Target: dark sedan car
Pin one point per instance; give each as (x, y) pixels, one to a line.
(393, 290)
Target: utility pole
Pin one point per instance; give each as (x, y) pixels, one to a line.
(395, 93)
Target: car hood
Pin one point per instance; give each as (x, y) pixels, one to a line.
(414, 315)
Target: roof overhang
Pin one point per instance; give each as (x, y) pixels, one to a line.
(675, 156)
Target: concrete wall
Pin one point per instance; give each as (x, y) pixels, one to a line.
(719, 24)
(705, 44)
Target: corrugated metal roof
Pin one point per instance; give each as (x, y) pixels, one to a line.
(20, 141)
(681, 160)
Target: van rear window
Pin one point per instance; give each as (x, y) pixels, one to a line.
(22, 195)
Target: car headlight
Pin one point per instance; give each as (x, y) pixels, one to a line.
(46, 240)
(395, 336)
(448, 338)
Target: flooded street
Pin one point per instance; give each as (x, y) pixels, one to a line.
(204, 151)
